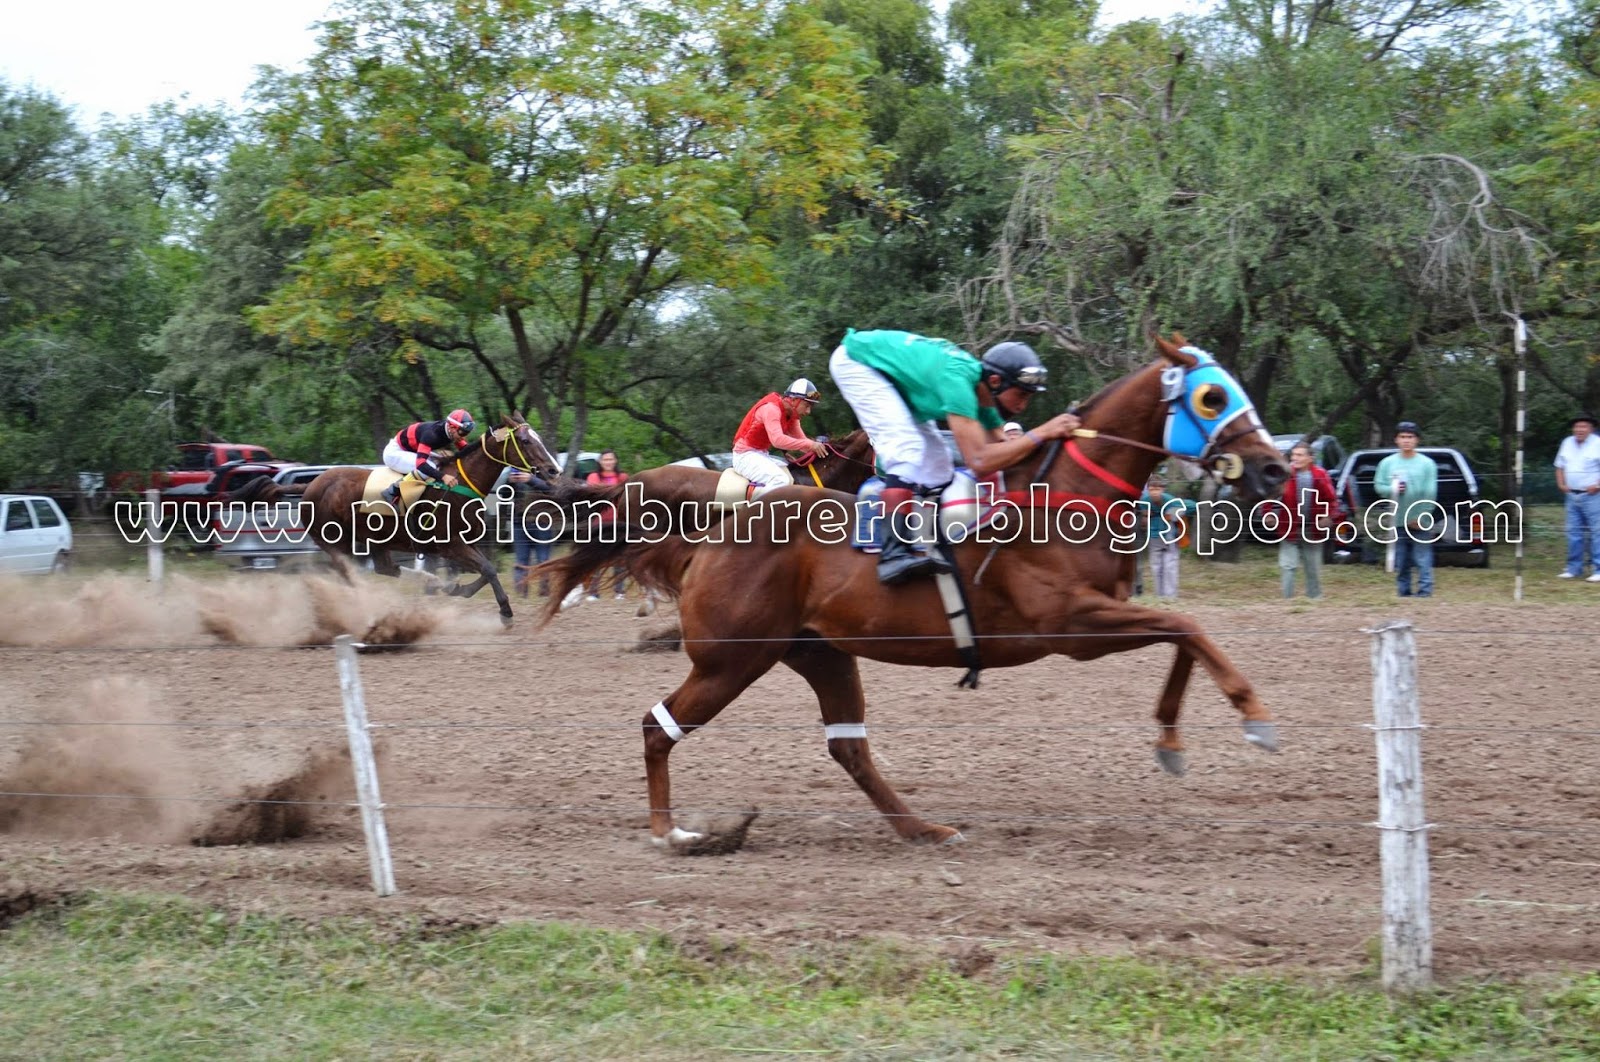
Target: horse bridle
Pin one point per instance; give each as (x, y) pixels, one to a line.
(1231, 465)
(503, 457)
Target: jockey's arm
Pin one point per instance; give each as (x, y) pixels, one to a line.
(985, 454)
(773, 421)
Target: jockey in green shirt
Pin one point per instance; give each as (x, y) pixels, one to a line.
(899, 384)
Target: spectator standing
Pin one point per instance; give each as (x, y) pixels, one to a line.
(1411, 480)
(609, 475)
(1578, 477)
(1167, 532)
(1310, 509)
(528, 548)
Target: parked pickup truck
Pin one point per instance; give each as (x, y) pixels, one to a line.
(197, 463)
(1460, 544)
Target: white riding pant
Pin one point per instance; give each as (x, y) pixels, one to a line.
(763, 470)
(399, 458)
(911, 451)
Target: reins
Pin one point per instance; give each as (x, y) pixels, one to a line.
(503, 458)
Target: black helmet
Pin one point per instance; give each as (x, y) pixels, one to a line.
(1017, 366)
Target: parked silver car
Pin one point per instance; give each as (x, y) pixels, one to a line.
(263, 539)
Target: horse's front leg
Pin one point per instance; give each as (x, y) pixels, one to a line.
(472, 557)
(1121, 625)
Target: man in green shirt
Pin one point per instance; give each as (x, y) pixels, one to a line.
(1412, 481)
(899, 384)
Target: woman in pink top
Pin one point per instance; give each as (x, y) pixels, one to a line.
(609, 476)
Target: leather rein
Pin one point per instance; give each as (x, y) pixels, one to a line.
(504, 458)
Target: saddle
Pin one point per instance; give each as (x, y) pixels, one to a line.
(379, 479)
(961, 509)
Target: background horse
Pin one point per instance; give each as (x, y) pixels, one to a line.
(748, 602)
(847, 464)
(343, 524)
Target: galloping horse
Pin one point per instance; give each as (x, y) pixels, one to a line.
(342, 521)
(847, 464)
(750, 601)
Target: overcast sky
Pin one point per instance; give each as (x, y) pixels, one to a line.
(120, 56)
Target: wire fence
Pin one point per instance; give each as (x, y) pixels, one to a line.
(1537, 821)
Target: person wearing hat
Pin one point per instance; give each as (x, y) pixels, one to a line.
(1411, 481)
(1578, 477)
(898, 384)
(1011, 429)
(774, 421)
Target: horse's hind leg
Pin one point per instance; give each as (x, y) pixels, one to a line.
(837, 682)
(342, 566)
(1169, 746)
(716, 679)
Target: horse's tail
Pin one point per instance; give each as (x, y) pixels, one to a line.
(260, 489)
(650, 551)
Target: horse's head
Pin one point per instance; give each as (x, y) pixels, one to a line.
(521, 447)
(1211, 420)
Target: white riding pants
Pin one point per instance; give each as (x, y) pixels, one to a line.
(399, 458)
(911, 451)
(763, 470)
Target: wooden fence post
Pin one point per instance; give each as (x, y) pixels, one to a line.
(153, 554)
(1407, 927)
(366, 767)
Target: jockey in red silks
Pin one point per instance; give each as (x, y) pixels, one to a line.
(415, 449)
(774, 421)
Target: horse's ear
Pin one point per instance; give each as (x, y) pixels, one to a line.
(1170, 351)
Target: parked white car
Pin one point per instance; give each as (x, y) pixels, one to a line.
(34, 535)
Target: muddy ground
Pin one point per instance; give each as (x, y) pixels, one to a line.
(511, 764)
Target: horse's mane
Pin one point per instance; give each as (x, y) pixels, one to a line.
(1108, 390)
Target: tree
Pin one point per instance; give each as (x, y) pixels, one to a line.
(1274, 178)
(549, 172)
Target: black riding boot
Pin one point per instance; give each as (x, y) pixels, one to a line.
(906, 554)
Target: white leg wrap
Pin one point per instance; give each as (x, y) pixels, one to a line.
(669, 726)
(845, 730)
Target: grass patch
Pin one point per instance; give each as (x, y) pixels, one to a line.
(111, 976)
(1254, 578)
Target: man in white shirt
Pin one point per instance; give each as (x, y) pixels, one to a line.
(1578, 477)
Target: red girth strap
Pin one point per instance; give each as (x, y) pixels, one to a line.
(1109, 478)
(1055, 499)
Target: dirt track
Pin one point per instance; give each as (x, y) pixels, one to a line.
(1076, 840)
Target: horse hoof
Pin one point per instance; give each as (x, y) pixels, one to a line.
(955, 838)
(939, 835)
(505, 619)
(1172, 761)
(676, 838)
(1262, 735)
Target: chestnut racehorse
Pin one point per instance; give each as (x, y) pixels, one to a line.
(748, 602)
(344, 525)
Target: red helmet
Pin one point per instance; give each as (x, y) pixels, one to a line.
(459, 422)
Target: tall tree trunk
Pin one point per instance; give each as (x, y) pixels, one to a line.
(1506, 367)
(429, 393)
(378, 421)
(541, 403)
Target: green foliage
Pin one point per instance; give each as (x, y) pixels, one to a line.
(128, 977)
(568, 168)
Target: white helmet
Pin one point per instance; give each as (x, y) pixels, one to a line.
(1011, 426)
(803, 388)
